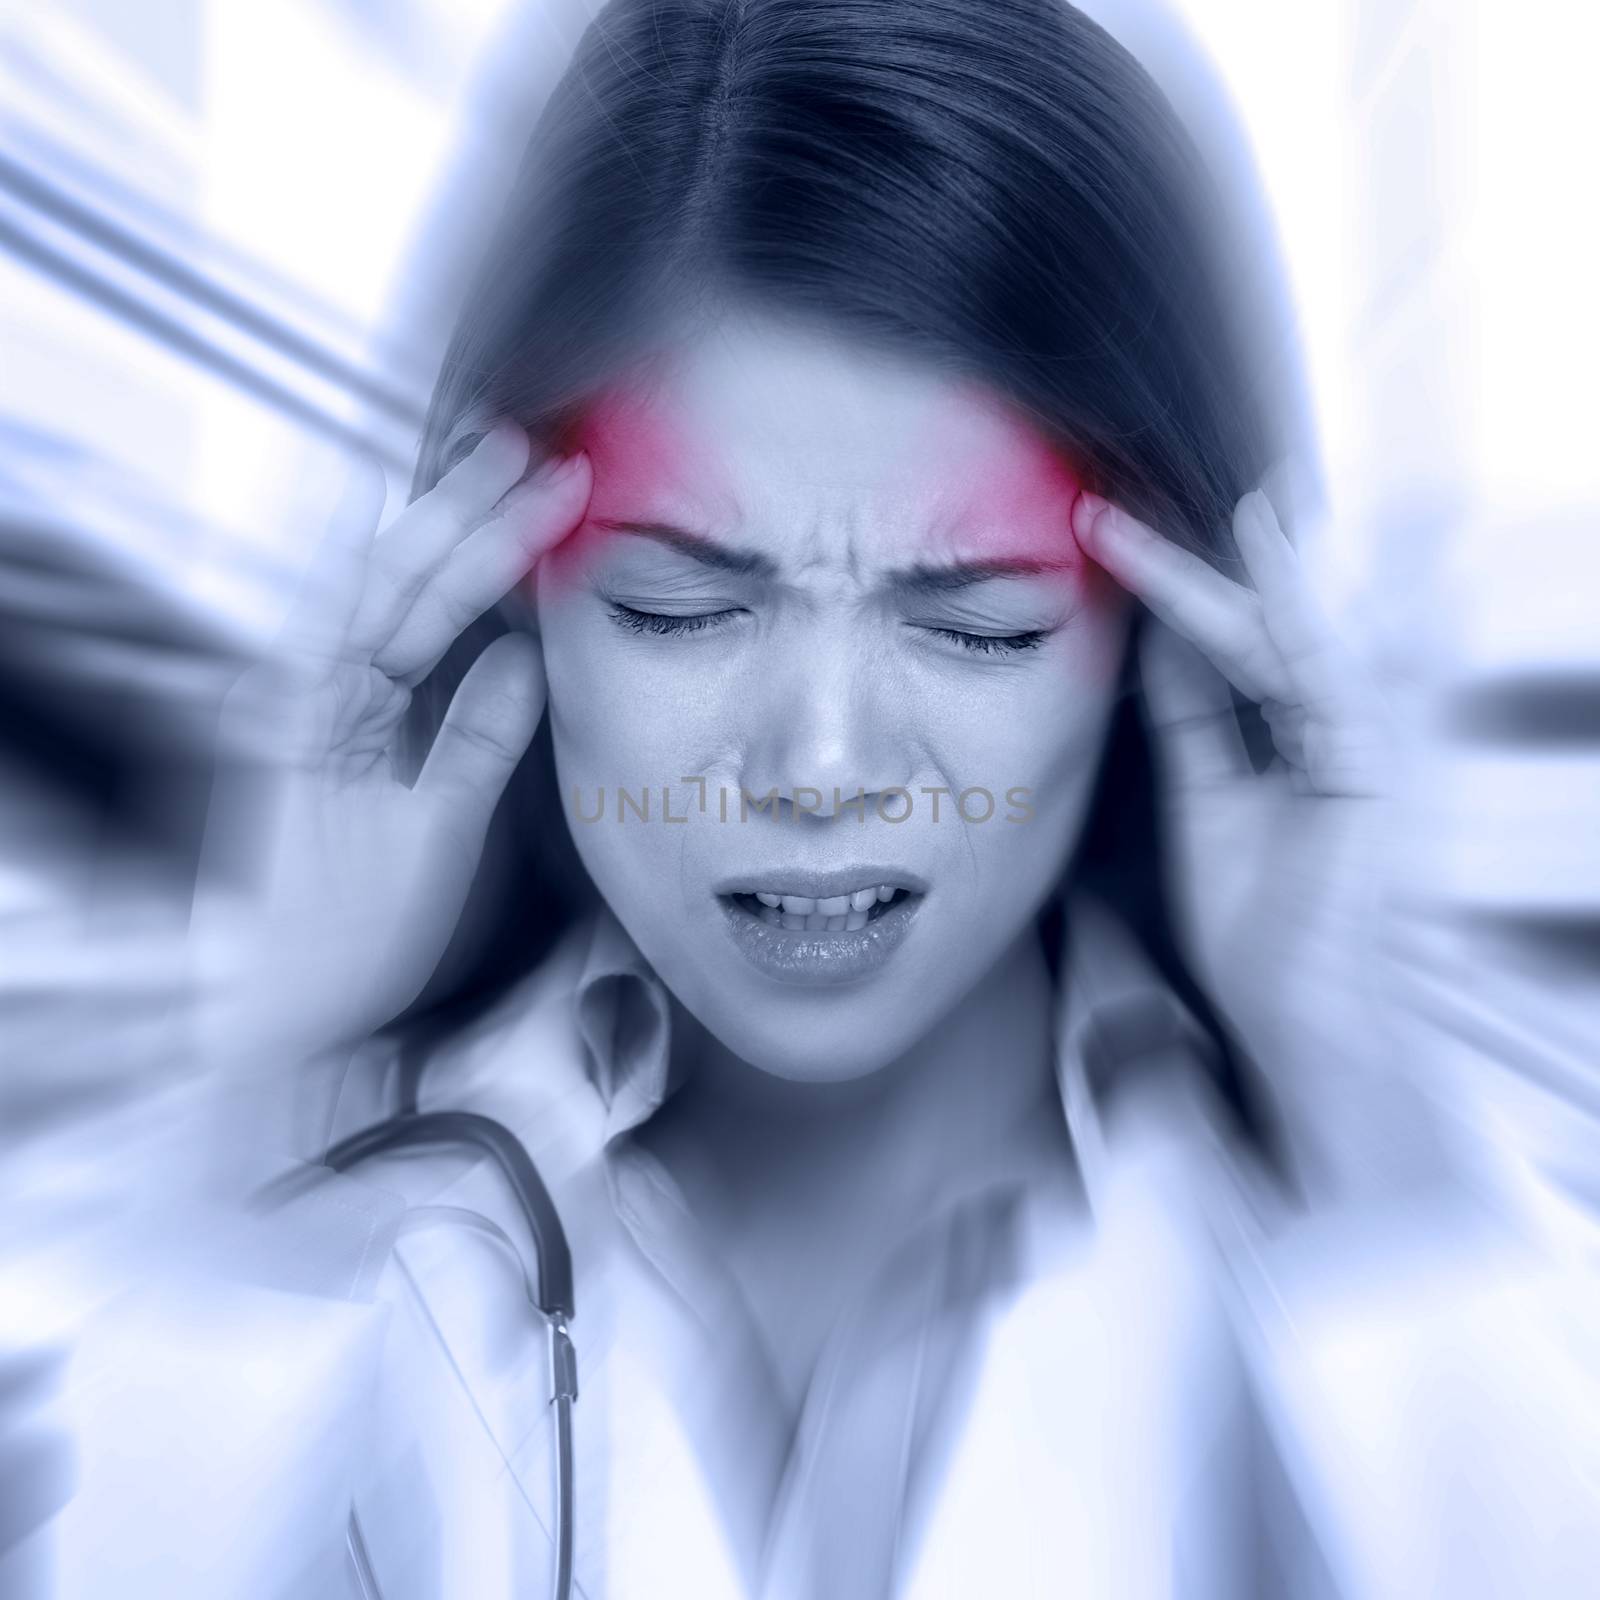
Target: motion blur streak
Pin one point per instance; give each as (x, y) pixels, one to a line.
(202, 205)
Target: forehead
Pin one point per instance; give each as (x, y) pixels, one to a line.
(791, 440)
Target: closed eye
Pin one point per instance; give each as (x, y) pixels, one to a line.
(669, 623)
(992, 643)
(666, 622)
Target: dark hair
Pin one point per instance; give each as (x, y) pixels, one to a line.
(994, 186)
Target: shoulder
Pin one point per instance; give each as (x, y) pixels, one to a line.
(522, 1062)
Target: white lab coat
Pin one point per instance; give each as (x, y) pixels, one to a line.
(1185, 1392)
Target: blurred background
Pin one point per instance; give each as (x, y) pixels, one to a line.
(231, 238)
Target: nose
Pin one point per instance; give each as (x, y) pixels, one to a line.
(826, 728)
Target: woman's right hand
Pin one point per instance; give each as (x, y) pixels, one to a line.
(332, 886)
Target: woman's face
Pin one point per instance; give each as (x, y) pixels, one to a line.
(829, 678)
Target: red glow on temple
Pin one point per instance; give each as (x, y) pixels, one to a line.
(983, 481)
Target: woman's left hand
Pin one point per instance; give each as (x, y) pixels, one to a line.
(1275, 873)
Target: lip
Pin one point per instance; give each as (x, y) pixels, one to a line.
(815, 960)
(820, 884)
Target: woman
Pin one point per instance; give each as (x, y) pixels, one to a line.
(733, 774)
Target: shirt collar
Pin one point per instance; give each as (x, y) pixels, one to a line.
(1114, 1017)
(1117, 1024)
(624, 1019)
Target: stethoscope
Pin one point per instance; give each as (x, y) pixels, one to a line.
(549, 1289)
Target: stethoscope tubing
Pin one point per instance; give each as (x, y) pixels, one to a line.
(412, 1130)
(553, 1295)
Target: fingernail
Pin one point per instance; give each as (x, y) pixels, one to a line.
(472, 444)
(1104, 524)
(559, 470)
(1085, 513)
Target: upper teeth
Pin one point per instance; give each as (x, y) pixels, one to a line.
(833, 905)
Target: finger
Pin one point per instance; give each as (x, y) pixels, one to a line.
(532, 519)
(1305, 641)
(420, 539)
(1221, 618)
(1338, 731)
(1191, 711)
(330, 589)
(486, 732)
(1287, 725)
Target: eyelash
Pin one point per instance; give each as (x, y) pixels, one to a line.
(660, 623)
(990, 644)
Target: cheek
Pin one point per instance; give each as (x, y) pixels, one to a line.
(1041, 787)
(591, 704)
(615, 718)
(1042, 741)
(1041, 730)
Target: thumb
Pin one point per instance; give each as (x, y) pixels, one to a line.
(486, 732)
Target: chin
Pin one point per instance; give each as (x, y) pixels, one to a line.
(779, 1060)
(818, 1036)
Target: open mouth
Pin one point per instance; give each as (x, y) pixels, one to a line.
(840, 913)
(815, 940)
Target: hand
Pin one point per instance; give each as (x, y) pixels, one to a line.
(333, 885)
(1275, 874)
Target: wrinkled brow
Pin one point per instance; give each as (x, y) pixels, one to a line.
(921, 578)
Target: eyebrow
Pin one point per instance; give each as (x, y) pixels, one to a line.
(922, 579)
(748, 563)
(917, 579)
